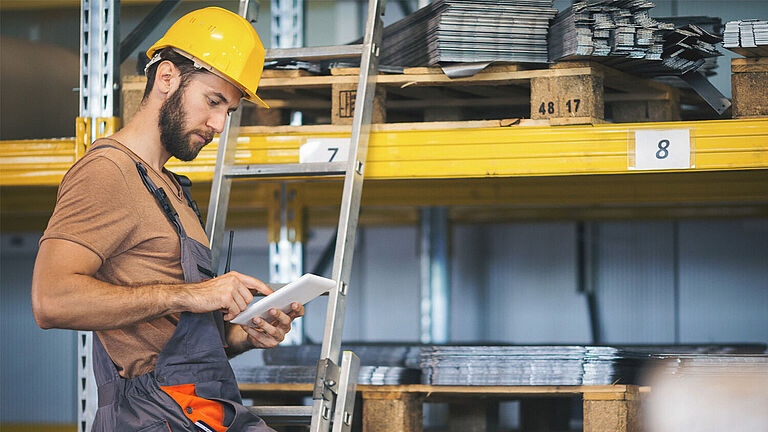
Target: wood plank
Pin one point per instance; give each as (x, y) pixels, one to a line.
(387, 391)
(426, 79)
(566, 121)
(457, 102)
(285, 73)
(749, 64)
(345, 71)
(297, 103)
(316, 129)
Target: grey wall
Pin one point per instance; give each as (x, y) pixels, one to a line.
(37, 367)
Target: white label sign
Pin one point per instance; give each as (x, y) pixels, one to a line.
(662, 149)
(324, 150)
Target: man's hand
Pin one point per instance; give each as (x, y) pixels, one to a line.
(231, 293)
(269, 334)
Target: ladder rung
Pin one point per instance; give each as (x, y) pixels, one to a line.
(315, 53)
(309, 169)
(284, 415)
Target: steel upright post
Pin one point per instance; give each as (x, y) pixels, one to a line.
(99, 72)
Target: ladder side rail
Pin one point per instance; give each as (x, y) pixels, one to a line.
(221, 186)
(349, 214)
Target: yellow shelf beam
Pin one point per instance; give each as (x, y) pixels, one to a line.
(419, 152)
(540, 173)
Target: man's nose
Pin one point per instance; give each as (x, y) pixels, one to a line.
(216, 121)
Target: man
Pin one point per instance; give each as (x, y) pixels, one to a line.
(124, 253)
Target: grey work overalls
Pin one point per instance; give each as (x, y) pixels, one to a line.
(193, 355)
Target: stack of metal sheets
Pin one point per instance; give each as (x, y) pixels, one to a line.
(747, 37)
(686, 49)
(381, 364)
(621, 34)
(711, 25)
(470, 31)
(528, 365)
(618, 28)
(682, 365)
(369, 375)
(370, 354)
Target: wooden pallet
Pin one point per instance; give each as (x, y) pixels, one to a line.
(399, 408)
(564, 93)
(749, 87)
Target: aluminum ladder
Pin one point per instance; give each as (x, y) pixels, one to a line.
(335, 382)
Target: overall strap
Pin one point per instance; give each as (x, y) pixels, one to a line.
(186, 186)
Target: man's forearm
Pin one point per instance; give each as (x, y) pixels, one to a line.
(82, 302)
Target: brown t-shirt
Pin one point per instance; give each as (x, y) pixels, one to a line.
(103, 205)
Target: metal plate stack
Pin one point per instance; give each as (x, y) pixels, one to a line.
(747, 37)
(470, 31)
(618, 28)
(381, 364)
(711, 25)
(369, 375)
(621, 34)
(528, 365)
(682, 365)
(686, 49)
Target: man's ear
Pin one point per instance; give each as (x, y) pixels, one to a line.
(167, 78)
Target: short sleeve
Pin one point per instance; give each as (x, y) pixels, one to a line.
(94, 208)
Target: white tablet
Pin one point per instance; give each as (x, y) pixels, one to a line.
(301, 291)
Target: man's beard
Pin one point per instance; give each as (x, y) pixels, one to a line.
(174, 138)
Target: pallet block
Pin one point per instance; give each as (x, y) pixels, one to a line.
(619, 412)
(392, 412)
(344, 96)
(749, 87)
(574, 99)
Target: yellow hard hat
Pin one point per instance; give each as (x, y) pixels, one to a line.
(222, 42)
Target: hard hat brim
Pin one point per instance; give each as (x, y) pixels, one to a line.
(257, 100)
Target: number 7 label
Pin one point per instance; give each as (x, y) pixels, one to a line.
(657, 149)
(324, 150)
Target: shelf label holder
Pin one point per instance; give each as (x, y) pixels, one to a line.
(660, 149)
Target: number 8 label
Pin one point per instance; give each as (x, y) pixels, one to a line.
(660, 149)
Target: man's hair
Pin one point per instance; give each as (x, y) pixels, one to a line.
(185, 66)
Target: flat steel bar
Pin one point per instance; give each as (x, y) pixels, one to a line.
(711, 95)
(287, 170)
